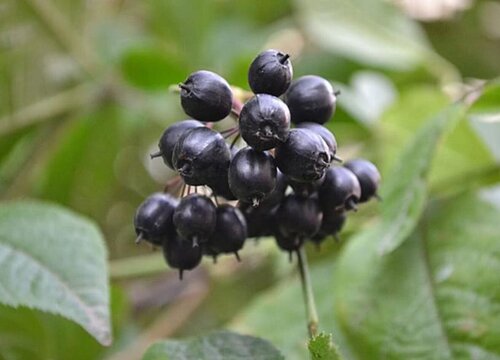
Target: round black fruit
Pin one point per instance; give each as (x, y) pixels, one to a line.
(181, 254)
(270, 73)
(153, 218)
(230, 230)
(170, 137)
(368, 177)
(325, 134)
(304, 157)
(340, 190)
(195, 218)
(206, 96)
(298, 217)
(200, 156)
(252, 175)
(264, 122)
(311, 99)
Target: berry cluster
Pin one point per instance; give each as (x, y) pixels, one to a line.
(280, 184)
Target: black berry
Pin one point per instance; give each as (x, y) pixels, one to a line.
(230, 230)
(206, 96)
(304, 157)
(252, 175)
(153, 218)
(325, 135)
(170, 137)
(181, 254)
(368, 177)
(340, 190)
(195, 218)
(311, 99)
(201, 156)
(331, 225)
(264, 122)
(270, 73)
(306, 188)
(261, 221)
(298, 217)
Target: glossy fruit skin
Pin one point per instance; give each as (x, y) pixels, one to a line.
(340, 190)
(230, 230)
(368, 177)
(274, 197)
(206, 96)
(304, 157)
(170, 137)
(298, 217)
(201, 156)
(332, 223)
(306, 189)
(264, 122)
(288, 243)
(252, 175)
(181, 254)
(311, 99)
(195, 218)
(153, 218)
(325, 134)
(270, 73)
(261, 221)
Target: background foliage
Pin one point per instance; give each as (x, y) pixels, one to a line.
(84, 96)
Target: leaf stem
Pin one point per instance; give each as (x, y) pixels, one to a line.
(305, 279)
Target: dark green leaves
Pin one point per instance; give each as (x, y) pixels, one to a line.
(222, 345)
(437, 296)
(55, 261)
(405, 188)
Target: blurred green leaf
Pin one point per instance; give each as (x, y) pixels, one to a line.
(489, 101)
(437, 296)
(151, 68)
(216, 346)
(371, 32)
(55, 261)
(405, 188)
(321, 347)
(282, 308)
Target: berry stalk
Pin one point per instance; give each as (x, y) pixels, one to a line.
(307, 291)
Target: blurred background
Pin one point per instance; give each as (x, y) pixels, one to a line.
(84, 98)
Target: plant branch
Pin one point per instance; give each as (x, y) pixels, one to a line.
(305, 279)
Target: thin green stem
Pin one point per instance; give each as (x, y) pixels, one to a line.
(305, 279)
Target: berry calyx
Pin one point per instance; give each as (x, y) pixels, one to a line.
(325, 134)
(264, 122)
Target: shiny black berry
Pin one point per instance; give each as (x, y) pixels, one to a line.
(298, 217)
(180, 254)
(288, 243)
(325, 135)
(270, 73)
(153, 218)
(206, 96)
(195, 218)
(264, 122)
(311, 99)
(201, 156)
(368, 177)
(170, 137)
(306, 188)
(340, 190)
(261, 221)
(331, 225)
(230, 230)
(304, 157)
(274, 197)
(252, 175)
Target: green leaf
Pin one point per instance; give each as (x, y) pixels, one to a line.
(489, 101)
(371, 32)
(218, 345)
(321, 347)
(55, 261)
(437, 296)
(405, 188)
(282, 308)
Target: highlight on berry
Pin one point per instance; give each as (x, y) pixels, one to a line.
(259, 178)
